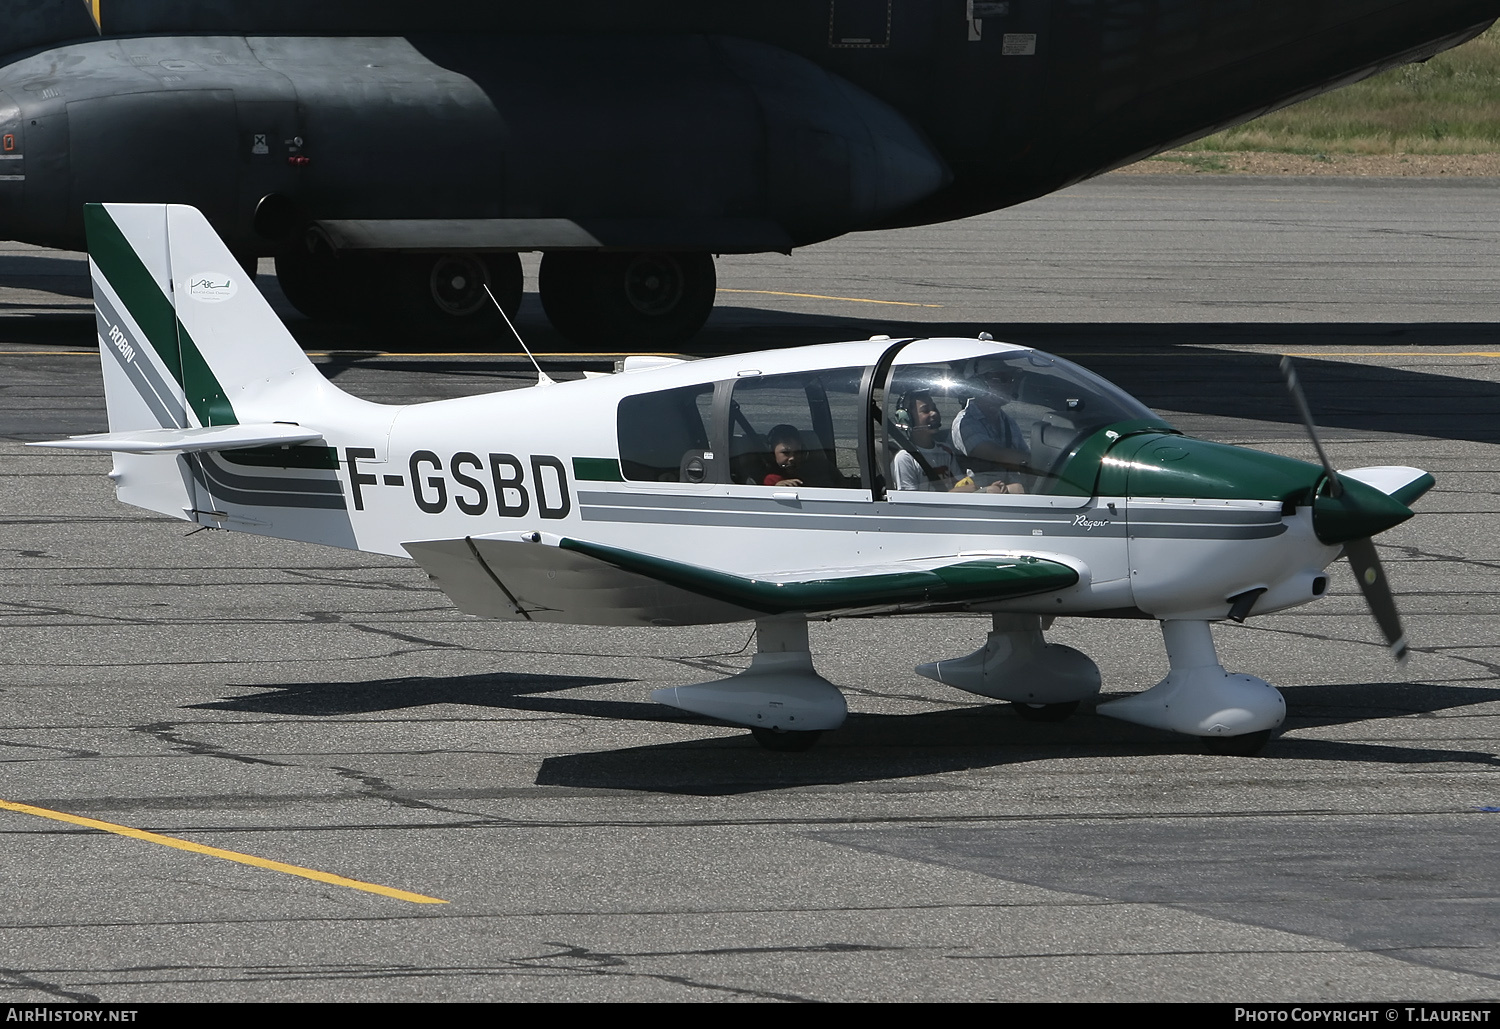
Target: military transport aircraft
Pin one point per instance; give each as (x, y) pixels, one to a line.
(882, 477)
(396, 155)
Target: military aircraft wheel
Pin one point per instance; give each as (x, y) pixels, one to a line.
(1245, 745)
(445, 293)
(642, 299)
(1045, 712)
(785, 742)
(311, 276)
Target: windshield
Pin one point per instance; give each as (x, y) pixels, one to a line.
(1000, 423)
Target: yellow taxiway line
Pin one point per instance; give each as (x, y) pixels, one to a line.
(227, 855)
(820, 296)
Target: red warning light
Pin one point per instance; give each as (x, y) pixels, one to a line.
(10, 141)
(299, 160)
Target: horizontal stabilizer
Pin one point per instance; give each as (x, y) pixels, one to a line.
(187, 441)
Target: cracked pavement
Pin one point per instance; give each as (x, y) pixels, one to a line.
(330, 711)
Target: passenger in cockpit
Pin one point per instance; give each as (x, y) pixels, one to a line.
(928, 463)
(787, 454)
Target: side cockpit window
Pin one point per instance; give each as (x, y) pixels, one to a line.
(664, 436)
(799, 429)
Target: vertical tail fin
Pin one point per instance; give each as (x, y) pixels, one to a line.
(186, 338)
(209, 396)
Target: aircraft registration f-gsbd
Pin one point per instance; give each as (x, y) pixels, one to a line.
(883, 477)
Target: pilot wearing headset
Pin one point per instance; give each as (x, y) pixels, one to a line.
(925, 463)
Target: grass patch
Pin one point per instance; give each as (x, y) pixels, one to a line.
(1450, 105)
(1200, 162)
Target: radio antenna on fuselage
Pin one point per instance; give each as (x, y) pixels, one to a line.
(542, 378)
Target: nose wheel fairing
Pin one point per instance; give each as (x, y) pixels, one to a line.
(1198, 697)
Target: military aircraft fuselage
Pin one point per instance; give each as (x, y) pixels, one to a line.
(634, 126)
(728, 127)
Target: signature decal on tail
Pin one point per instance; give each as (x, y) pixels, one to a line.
(212, 287)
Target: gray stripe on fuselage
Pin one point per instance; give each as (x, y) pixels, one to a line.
(159, 397)
(1003, 520)
(271, 483)
(262, 491)
(1199, 516)
(1008, 511)
(753, 505)
(877, 522)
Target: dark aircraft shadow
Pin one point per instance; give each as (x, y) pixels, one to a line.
(1172, 368)
(867, 748)
(48, 273)
(871, 748)
(1177, 369)
(494, 690)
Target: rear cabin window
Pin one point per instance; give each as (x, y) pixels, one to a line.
(665, 435)
(800, 429)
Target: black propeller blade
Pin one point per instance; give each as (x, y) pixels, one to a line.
(1360, 550)
(1366, 565)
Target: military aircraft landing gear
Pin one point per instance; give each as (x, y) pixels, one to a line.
(312, 277)
(1044, 680)
(641, 299)
(445, 293)
(784, 703)
(1199, 698)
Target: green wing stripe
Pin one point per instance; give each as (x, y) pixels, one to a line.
(153, 312)
(973, 580)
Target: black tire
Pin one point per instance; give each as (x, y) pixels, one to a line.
(1245, 745)
(785, 742)
(311, 277)
(627, 299)
(1045, 712)
(445, 294)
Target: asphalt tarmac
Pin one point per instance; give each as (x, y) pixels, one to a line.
(330, 711)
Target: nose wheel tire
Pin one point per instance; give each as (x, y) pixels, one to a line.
(1045, 712)
(785, 742)
(1245, 745)
(639, 299)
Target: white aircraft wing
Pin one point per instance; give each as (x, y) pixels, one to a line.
(567, 580)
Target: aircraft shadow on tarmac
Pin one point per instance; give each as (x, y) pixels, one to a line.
(869, 747)
(65, 276)
(1170, 367)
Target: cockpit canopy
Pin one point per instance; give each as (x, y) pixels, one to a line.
(964, 415)
(1009, 418)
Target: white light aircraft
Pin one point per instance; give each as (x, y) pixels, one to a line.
(883, 477)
